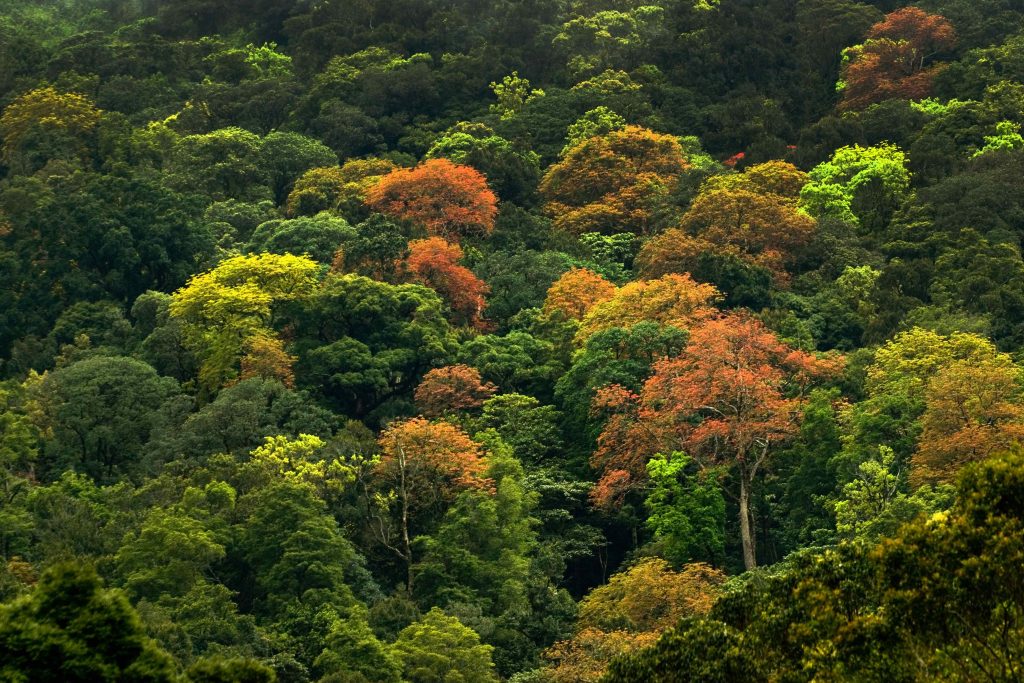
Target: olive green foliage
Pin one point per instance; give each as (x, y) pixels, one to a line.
(872, 612)
(72, 629)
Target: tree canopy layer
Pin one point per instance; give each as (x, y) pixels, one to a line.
(526, 340)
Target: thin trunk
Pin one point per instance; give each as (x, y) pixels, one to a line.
(406, 543)
(746, 533)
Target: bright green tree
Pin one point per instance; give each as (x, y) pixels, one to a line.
(685, 510)
(223, 308)
(440, 648)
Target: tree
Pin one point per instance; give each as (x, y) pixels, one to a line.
(511, 170)
(225, 307)
(873, 505)
(223, 164)
(439, 648)
(483, 564)
(764, 229)
(451, 389)
(423, 464)
(513, 93)
(90, 237)
(629, 613)
(242, 416)
(70, 629)
(779, 178)
(173, 551)
(320, 237)
(726, 399)
(939, 599)
(972, 410)
(891, 62)
(859, 185)
(576, 292)
(617, 355)
(608, 38)
(516, 361)
(448, 200)
(229, 670)
(617, 182)
(286, 156)
(685, 510)
(596, 122)
(670, 300)
(896, 386)
(340, 189)
(265, 357)
(529, 428)
(352, 650)
(362, 343)
(434, 262)
(45, 123)
(378, 246)
(99, 413)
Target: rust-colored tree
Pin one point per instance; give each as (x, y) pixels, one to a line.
(671, 300)
(764, 229)
(448, 200)
(675, 251)
(894, 60)
(434, 262)
(576, 292)
(423, 465)
(729, 398)
(451, 389)
(621, 181)
(972, 411)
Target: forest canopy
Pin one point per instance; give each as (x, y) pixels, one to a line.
(531, 341)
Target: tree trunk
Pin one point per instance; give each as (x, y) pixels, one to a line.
(746, 533)
(406, 541)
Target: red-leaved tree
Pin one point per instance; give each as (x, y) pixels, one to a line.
(730, 397)
(894, 60)
(434, 262)
(450, 389)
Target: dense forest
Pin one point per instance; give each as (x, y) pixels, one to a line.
(542, 341)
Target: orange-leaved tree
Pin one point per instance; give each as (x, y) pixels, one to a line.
(434, 262)
(893, 61)
(451, 389)
(576, 292)
(973, 409)
(449, 200)
(730, 397)
(630, 612)
(422, 465)
(265, 357)
(621, 181)
(764, 229)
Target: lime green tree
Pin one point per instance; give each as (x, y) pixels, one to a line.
(232, 303)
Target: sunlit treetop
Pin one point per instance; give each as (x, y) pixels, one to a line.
(447, 199)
